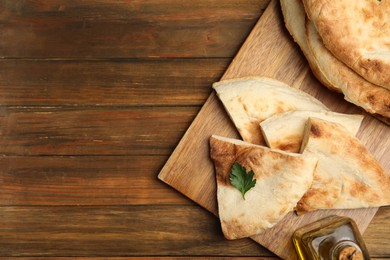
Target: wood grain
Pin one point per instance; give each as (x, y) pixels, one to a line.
(377, 233)
(84, 180)
(94, 96)
(116, 231)
(125, 29)
(92, 131)
(154, 258)
(128, 82)
(268, 51)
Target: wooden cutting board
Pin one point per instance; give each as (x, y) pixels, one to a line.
(268, 51)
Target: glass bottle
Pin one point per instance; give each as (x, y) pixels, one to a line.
(330, 238)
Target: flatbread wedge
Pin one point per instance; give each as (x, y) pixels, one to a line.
(281, 180)
(249, 101)
(284, 131)
(347, 175)
(372, 98)
(357, 33)
(294, 18)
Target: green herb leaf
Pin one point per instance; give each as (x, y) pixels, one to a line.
(240, 179)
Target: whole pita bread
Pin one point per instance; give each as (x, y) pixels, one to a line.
(357, 33)
(284, 131)
(249, 101)
(357, 90)
(347, 175)
(294, 19)
(281, 180)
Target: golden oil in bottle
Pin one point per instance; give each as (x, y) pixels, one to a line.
(330, 238)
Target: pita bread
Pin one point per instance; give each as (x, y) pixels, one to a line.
(249, 101)
(372, 98)
(347, 175)
(294, 19)
(281, 180)
(285, 131)
(357, 33)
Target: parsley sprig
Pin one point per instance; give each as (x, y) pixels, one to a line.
(240, 179)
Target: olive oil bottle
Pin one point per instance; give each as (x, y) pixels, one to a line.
(330, 238)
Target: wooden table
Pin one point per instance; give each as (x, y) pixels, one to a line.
(94, 97)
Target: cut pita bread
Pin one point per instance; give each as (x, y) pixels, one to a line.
(285, 131)
(357, 33)
(294, 19)
(249, 101)
(281, 180)
(357, 90)
(347, 175)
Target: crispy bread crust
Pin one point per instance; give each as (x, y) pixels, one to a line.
(294, 19)
(372, 98)
(357, 33)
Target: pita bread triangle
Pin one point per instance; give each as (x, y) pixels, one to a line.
(281, 180)
(284, 131)
(357, 33)
(249, 101)
(347, 175)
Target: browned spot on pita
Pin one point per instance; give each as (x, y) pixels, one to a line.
(371, 98)
(366, 162)
(324, 196)
(276, 167)
(244, 105)
(358, 188)
(320, 129)
(290, 143)
(224, 150)
(236, 228)
(249, 158)
(254, 134)
(288, 147)
(281, 107)
(295, 162)
(315, 130)
(371, 65)
(367, 14)
(302, 207)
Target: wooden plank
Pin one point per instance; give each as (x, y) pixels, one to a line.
(377, 235)
(268, 51)
(92, 28)
(159, 258)
(108, 82)
(152, 258)
(92, 131)
(116, 231)
(84, 180)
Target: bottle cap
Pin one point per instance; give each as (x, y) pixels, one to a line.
(346, 250)
(349, 252)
